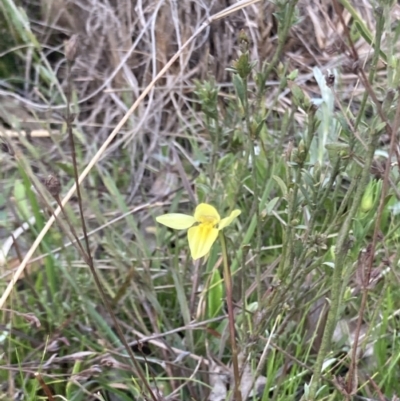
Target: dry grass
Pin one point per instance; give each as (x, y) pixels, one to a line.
(137, 119)
(122, 49)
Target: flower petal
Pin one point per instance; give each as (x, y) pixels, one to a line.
(206, 213)
(201, 239)
(178, 221)
(228, 220)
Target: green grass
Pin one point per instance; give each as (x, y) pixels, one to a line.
(319, 214)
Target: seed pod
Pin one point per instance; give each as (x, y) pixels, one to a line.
(71, 48)
(53, 185)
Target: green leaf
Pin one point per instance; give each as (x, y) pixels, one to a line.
(281, 184)
(21, 199)
(215, 294)
(240, 88)
(271, 205)
(293, 75)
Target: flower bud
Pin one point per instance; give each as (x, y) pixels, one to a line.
(302, 148)
(368, 199)
(317, 172)
(243, 41)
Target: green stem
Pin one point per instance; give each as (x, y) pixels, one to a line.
(214, 133)
(231, 317)
(292, 199)
(255, 209)
(362, 29)
(282, 37)
(343, 205)
(340, 260)
(374, 63)
(287, 248)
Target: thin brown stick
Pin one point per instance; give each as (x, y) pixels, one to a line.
(44, 387)
(88, 256)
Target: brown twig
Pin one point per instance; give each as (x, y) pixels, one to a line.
(44, 387)
(89, 259)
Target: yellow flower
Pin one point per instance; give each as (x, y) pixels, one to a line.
(201, 236)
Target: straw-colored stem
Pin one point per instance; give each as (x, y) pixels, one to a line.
(231, 318)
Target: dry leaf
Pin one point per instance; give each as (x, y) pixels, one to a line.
(249, 386)
(258, 388)
(346, 329)
(218, 380)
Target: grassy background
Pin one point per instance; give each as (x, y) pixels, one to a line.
(287, 110)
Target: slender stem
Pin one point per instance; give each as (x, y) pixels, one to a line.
(282, 37)
(231, 317)
(351, 377)
(88, 257)
(287, 250)
(340, 261)
(343, 205)
(292, 199)
(214, 138)
(255, 210)
(373, 65)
